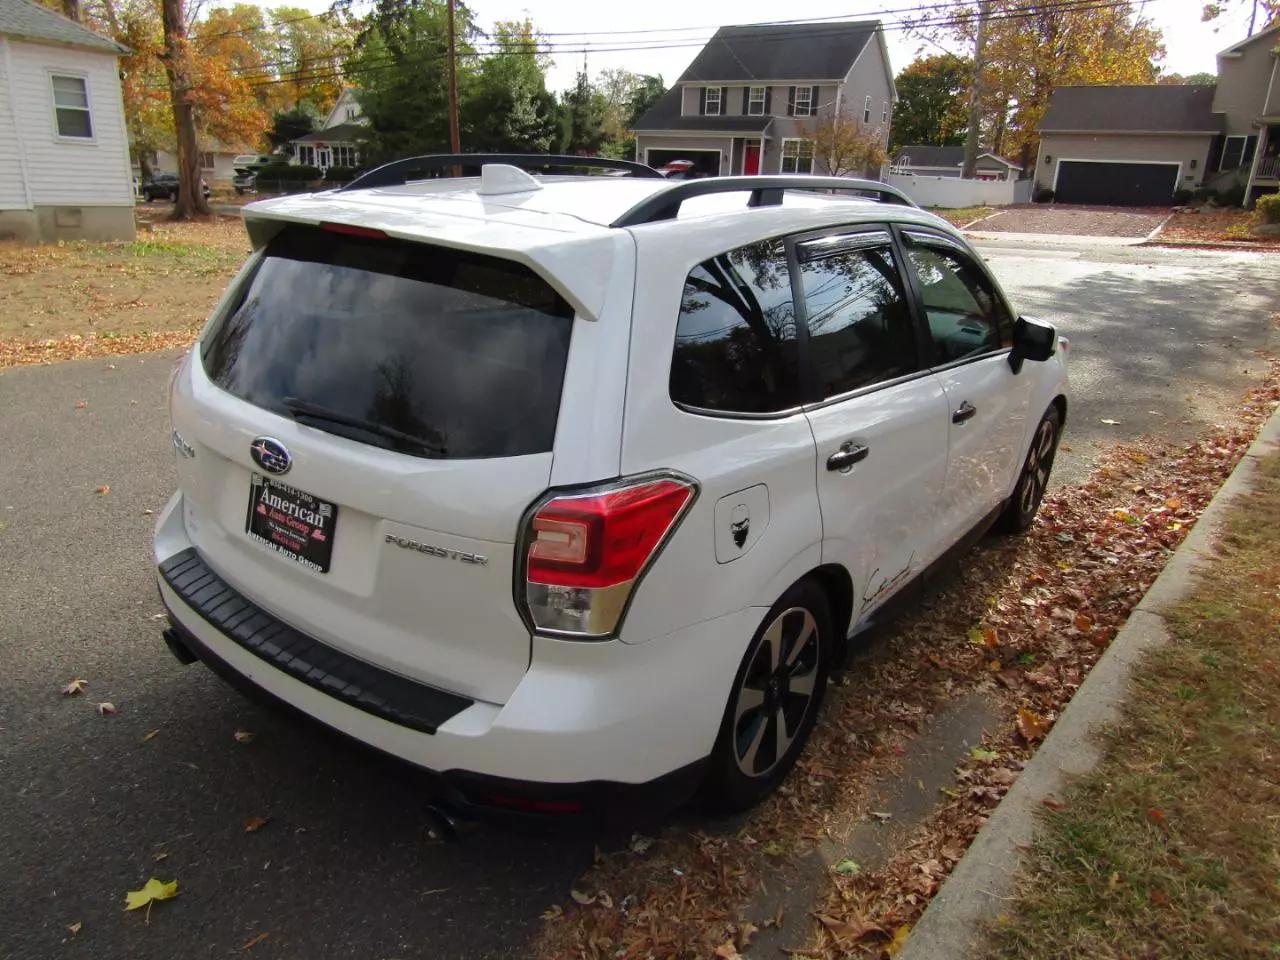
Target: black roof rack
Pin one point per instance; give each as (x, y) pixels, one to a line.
(437, 164)
(765, 191)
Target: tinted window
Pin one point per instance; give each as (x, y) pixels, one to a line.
(735, 344)
(966, 316)
(859, 325)
(462, 353)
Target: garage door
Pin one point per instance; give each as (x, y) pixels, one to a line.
(705, 162)
(1118, 184)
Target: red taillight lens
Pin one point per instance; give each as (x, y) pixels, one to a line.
(605, 539)
(586, 551)
(353, 231)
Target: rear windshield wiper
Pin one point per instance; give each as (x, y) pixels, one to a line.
(314, 411)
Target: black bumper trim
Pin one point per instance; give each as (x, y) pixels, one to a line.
(343, 677)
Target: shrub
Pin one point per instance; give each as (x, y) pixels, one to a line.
(1200, 194)
(1269, 208)
(1043, 195)
(1232, 196)
(342, 174)
(1182, 197)
(288, 171)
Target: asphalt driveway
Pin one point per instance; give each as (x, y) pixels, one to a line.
(91, 807)
(1074, 221)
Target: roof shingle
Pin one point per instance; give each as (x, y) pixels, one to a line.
(1171, 108)
(792, 51)
(665, 115)
(22, 18)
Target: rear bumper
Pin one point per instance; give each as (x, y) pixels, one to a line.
(587, 720)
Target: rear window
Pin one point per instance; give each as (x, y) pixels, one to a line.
(433, 352)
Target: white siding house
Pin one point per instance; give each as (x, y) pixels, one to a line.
(64, 153)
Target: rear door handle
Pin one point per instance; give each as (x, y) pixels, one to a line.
(966, 412)
(848, 454)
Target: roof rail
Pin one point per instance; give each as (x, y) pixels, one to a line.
(396, 172)
(766, 191)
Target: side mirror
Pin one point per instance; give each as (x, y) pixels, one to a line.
(1032, 340)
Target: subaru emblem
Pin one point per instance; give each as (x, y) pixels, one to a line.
(270, 454)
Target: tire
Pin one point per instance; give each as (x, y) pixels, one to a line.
(746, 764)
(1021, 509)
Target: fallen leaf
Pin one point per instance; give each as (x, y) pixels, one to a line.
(74, 687)
(851, 930)
(249, 945)
(150, 735)
(244, 736)
(1031, 725)
(848, 867)
(774, 848)
(746, 933)
(1110, 423)
(583, 898)
(1156, 815)
(882, 817)
(1113, 881)
(103, 490)
(899, 940)
(162, 855)
(1083, 622)
(640, 843)
(604, 900)
(74, 928)
(980, 754)
(553, 912)
(1173, 503)
(1052, 804)
(151, 891)
(105, 708)
(254, 824)
(1159, 898)
(728, 951)
(81, 404)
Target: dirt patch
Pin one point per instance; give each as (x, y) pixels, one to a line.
(1074, 221)
(962, 216)
(165, 281)
(1214, 227)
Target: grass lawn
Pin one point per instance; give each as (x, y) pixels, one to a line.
(1214, 226)
(166, 280)
(962, 216)
(1171, 849)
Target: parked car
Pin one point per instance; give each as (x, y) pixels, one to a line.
(678, 170)
(251, 161)
(245, 181)
(572, 489)
(164, 186)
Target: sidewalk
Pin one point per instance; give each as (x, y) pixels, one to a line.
(981, 885)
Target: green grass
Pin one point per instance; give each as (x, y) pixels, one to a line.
(1171, 848)
(960, 216)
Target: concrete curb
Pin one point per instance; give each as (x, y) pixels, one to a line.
(952, 928)
(1054, 239)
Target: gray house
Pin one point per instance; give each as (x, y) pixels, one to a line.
(1140, 144)
(932, 161)
(754, 97)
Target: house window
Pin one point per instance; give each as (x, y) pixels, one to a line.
(352, 112)
(71, 107)
(866, 110)
(1238, 152)
(306, 155)
(344, 155)
(884, 113)
(713, 102)
(804, 102)
(206, 159)
(797, 156)
(755, 102)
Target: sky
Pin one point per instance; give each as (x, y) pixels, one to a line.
(1190, 44)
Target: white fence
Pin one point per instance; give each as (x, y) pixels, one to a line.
(954, 192)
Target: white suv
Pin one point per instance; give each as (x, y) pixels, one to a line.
(565, 484)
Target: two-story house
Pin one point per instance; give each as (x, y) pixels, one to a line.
(754, 97)
(1142, 144)
(335, 143)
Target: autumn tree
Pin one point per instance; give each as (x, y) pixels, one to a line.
(845, 146)
(177, 65)
(310, 50)
(931, 101)
(235, 53)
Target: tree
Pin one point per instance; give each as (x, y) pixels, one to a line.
(234, 53)
(931, 98)
(582, 111)
(177, 64)
(289, 125)
(506, 106)
(1270, 10)
(646, 94)
(845, 146)
(310, 51)
(1191, 79)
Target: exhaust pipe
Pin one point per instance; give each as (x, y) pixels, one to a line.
(442, 823)
(179, 649)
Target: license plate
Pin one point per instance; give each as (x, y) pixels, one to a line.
(292, 523)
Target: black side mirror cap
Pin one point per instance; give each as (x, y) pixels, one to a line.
(1032, 340)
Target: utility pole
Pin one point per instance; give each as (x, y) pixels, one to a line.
(455, 138)
(975, 93)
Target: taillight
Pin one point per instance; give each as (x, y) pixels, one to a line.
(585, 552)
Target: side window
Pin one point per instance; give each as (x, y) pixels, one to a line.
(735, 346)
(966, 315)
(859, 325)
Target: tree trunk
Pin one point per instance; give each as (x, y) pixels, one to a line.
(71, 9)
(455, 139)
(975, 94)
(191, 201)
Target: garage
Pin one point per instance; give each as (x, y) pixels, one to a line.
(1116, 183)
(706, 163)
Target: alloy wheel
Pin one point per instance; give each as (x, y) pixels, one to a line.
(1035, 475)
(777, 692)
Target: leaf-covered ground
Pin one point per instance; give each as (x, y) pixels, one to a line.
(1020, 623)
(1170, 850)
(1214, 226)
(79, 299)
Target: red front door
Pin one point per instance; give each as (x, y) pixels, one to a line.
(751, 161)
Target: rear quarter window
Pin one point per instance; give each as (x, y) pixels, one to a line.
(462, 352)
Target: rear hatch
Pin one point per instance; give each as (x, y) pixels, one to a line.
(370, 418)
